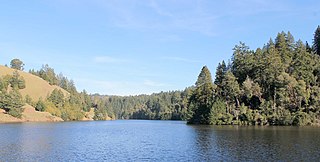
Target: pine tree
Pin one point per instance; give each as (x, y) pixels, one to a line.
(302, 65)
(40, 106)
(57, 97)
(220, 72)
(316, 41)
(200, 102)
(12, 102)
(283, 44)
(241, 61)
(308, 48)
(231, 89)
(272, 67)
(17, 64)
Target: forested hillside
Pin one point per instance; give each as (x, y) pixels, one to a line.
(44, 90)
(158, 106)
(277, 84)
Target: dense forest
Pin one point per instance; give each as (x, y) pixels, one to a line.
(158, 106)
(277, 84)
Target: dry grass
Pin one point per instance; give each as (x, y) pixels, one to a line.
(6, 118)
(29, 115)
(36, 87)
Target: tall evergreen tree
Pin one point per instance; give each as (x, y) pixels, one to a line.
(316, 41)
(283, 44)
(12, 102)
(231, 89)
(200, 102)
(241, 61)
(302, 65)
(308, 48)
(220, 73)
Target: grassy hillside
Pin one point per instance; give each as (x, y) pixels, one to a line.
(36, 87)
(29, 115)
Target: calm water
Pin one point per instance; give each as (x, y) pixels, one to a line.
(135, 140)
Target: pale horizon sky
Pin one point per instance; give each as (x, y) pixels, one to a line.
(132, 47)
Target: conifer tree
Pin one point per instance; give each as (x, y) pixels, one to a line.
(200, 102)
(220, 73)
(316, 41)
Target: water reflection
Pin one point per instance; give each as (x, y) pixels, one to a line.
(155, 141)
(204, 143)
(238, 143)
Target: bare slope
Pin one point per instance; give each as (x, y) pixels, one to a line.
(36, 87)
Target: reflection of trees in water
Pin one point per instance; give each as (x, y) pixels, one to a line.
(233, 143)
(205, 144)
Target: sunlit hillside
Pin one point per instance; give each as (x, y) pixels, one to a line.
(36, 87)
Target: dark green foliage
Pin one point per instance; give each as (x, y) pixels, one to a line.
(158, 106)
(16, 81)
(69, 107)
(47, 73)
(11, 100)
(301, 118)
(85, 100)
(57, 97)
(40, 106)
(12, 103)
(200, 102)
(17, 64)
(308, 47)
(303, 64)
(316, 41)
(218, 114)
(283, 44)
(100, 114)
(276, 85)
(242, 61)
(231, 89)
(220, 74)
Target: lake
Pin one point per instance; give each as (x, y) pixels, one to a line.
(141, 140)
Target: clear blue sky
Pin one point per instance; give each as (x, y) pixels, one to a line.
(128, 47)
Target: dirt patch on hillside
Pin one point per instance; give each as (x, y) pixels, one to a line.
(29, 115)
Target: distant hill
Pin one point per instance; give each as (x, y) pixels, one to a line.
(36, 87)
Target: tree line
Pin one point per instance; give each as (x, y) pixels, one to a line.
(278, 84)
(158, 106)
